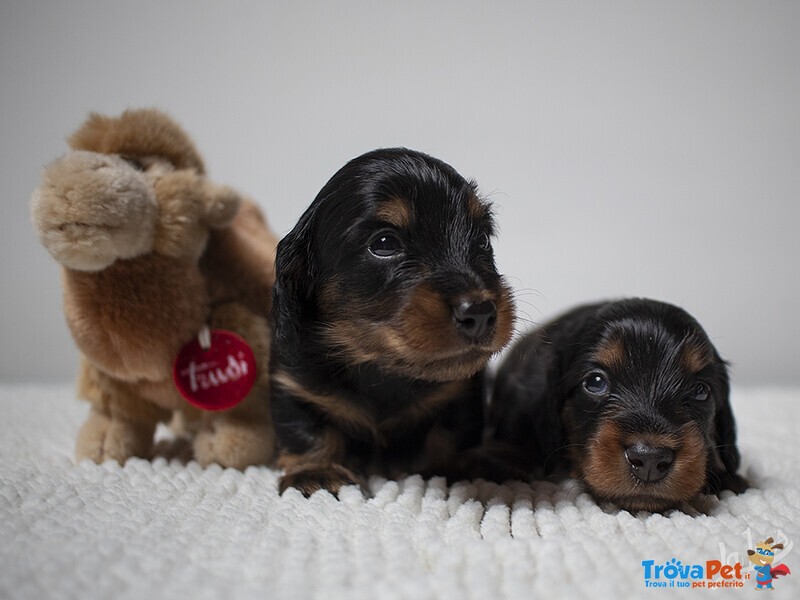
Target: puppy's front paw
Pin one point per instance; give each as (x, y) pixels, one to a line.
(722, 480)
(487, 462)
(332, 478)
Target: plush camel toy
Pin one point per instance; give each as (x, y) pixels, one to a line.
(154, 255)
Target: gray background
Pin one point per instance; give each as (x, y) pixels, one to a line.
(630, 148)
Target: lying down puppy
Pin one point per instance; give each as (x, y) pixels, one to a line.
(630, 397)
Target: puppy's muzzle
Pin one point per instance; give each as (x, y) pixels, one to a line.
(648, 463)
(476, 320)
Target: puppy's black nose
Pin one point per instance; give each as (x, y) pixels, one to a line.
(475, 319)
(647, 463)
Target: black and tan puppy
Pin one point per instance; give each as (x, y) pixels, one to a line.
(630, 397)
(386, 308)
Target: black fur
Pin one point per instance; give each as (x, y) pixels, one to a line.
(546, 420)
(367, 352)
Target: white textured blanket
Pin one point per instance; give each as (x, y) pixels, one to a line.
(165, 530)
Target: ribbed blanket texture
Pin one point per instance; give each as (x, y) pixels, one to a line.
(162, 529)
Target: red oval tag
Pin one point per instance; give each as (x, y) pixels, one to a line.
(217, 378)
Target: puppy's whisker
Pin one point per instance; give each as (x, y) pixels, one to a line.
(522, 299)
(714, 480)
(555, 454)
(518, 287)
(524, 320)
(726, 449)
(524, 293)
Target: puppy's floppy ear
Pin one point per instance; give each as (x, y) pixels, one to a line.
(725, 454)
(295, 267)
(561, 354)
(526, 409)
(549, 431)
(295, 282)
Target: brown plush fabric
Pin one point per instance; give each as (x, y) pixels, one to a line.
(152, 251)
(143, 132)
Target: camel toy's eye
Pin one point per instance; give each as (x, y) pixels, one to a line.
(134, 162)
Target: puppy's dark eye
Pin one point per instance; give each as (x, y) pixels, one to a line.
(595, 384)
(700, 392)
(386, 245)
(484, 241)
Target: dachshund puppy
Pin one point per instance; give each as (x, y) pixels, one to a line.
(386, 308)
(629, 396)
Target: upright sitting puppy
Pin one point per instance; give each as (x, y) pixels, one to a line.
(386, 308)
(630, 397)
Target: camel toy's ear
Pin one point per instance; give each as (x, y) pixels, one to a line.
(221, 206)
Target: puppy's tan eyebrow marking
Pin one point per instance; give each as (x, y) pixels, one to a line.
(695, 357)
(611, 353)
(475, 208)
(394, 211)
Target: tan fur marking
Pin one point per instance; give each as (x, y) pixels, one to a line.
(328, 299)
(319, 468)
(694, 357)
(688, 474)
(394, 211)
(427, 323)
(506, 316)
(611, 354)
(422, 341)
(602, 463)
(329, 449)
(475, 208)
(342, 412)
(605, 470)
